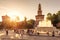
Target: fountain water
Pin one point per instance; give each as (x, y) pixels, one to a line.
(45, 27)
(45, 23)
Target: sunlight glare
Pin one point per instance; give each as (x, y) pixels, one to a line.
(14, 14)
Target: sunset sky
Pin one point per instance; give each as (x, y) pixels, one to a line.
(27, 8)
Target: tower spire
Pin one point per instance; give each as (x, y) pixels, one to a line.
(39, 9)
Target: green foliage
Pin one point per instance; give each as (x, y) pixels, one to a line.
(19, 25)
(55, 18)
(30, 23)
(27, 24)
(49, 16)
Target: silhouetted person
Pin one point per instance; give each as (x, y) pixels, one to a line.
(38, 33)
(6, 32)
(53, 34)
(28, 31)
(48, 33)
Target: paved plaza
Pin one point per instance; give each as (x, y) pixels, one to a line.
(14, 36)
(33, 38)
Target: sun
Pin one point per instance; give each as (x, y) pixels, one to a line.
(15, 16)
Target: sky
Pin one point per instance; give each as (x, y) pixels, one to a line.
(28, 8)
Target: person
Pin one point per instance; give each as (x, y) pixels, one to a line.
(53, 34)
(6, 32)
(48, 33)
(38, 33)
(28, 31)
(22, 33)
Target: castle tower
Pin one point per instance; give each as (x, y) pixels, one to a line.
(5, 20)
(39, 16)
(39, 10)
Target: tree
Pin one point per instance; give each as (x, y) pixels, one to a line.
(27, 24)
(30, 23)
(49, 16)
(58, 14)
(55, 19)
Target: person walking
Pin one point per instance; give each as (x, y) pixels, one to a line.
(53, 34)
(6, 32)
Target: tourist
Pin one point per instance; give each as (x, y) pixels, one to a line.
(53, 34)
(28, 31)
(48, 33)
(6, 32)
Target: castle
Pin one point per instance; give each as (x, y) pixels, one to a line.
(39, 16)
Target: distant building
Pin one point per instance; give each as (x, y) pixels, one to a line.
(5, 20)
(39, 16)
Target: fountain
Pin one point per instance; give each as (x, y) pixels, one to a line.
(45, 27)
(45, 23)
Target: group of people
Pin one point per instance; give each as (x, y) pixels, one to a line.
(30, 32)
(53, 33)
